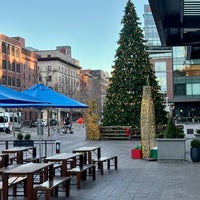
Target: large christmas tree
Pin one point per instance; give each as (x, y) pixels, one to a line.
(131, 71)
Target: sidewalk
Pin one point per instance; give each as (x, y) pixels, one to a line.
(135, 179)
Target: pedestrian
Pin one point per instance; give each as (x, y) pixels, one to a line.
(67, 125)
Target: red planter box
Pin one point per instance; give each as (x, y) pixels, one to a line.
(136, 153)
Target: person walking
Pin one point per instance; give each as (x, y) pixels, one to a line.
(67, 125)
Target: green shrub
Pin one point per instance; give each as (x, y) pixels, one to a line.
(198, 131)
(27, 136)
(20, 136)
(195, 143)
(172, 131)
(160, 135)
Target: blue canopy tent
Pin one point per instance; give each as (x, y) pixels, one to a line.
(57, 100)
(10, 96)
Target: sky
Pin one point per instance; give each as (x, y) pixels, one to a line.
(90, 27)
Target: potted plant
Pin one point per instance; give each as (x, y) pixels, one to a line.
(23, 141)
(27, 140)
(20, 136)
(27, 136)
(195, 150)
(18, 142)
(171, 143)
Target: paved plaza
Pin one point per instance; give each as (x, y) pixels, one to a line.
(135, 179)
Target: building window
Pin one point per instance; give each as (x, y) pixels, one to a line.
(193, 89)
(13, 66)
(8, 49)
(4, 80)
(9, 66)
(3, 64)
(180, 89)
(49, 69)
(40, 78)
(9, 80)
(13, 51)
(18, 67)
(18, 82)
(17, 53)
(13, 81)
(3, 46)
(49, 78)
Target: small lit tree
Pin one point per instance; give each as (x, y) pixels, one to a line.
(91, 119)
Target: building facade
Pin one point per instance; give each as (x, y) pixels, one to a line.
(160, 57)
(94, 84)
(58, 70)
(18, 67)
(22, 67)
(186, 82)
(177, 23)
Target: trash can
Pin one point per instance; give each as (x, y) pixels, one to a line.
(58, 146)
(154, 153)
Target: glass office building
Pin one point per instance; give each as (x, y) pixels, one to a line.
(160, 57)
(186, 81)
(177, 70)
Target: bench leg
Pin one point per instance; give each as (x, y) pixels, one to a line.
(116, 163)
(55, 192)
(101, 167)
(94, 172)
(14, 190)
(67, 187)
(34, 194)
(78, 180)
(48, 194)
(108, 164)
(84, 175)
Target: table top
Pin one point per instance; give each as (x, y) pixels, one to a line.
(17, 149)
(62, 156)
(28, 168)
(3, 169)
(86, 148)
(3, 154)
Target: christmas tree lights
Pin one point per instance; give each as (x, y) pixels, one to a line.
(130, 71)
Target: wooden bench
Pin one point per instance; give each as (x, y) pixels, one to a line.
(35, 159)
(107, 159)
(50, 187)
(114, 133)
(81, 173)
(118, 133)
(13, 181)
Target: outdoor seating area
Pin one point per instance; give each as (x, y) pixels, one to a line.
(48, 176)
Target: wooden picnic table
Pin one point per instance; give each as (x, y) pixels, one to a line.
(3, 169)
(18, 151)
(64, 158)
(88, 151)
(27, 170)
